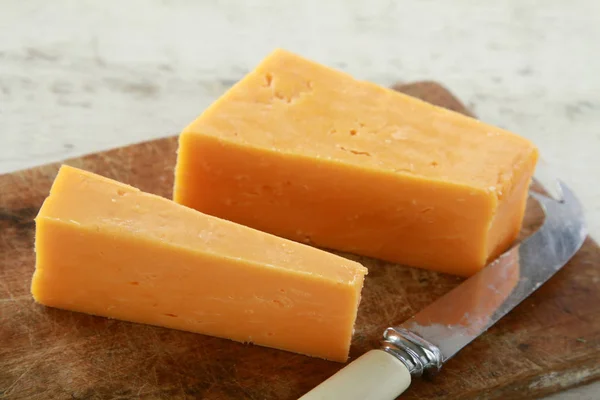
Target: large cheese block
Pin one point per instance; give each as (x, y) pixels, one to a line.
(108, 249)
(310, 153)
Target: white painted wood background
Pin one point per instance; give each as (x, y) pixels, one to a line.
(82, 76)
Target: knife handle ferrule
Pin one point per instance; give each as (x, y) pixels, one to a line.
(416, 353)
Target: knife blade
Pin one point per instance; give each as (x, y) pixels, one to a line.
(426, 341)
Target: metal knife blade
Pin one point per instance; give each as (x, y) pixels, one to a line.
(460, 316)
(434, 335)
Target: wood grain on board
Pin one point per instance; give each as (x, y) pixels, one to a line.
(548, 343)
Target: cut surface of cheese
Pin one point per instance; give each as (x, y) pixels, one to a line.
(108, 249)
(310, 153)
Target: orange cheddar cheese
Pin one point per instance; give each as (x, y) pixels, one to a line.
(108, 249)
(309, 153)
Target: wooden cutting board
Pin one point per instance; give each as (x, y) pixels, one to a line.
(548, 343)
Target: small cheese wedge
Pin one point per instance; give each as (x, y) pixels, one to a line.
(108, 249)
(309, 153)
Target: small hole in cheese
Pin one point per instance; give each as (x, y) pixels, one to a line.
(120, 192)
(357, 152)
(352, 132)
(134, 283)
(268, 80)
(170, 315)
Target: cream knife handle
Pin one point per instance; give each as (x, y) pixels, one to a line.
(376, 375)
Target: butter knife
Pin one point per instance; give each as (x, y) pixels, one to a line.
(423, 343)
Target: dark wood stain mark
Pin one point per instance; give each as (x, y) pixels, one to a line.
(523, 346)
(21, 220)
